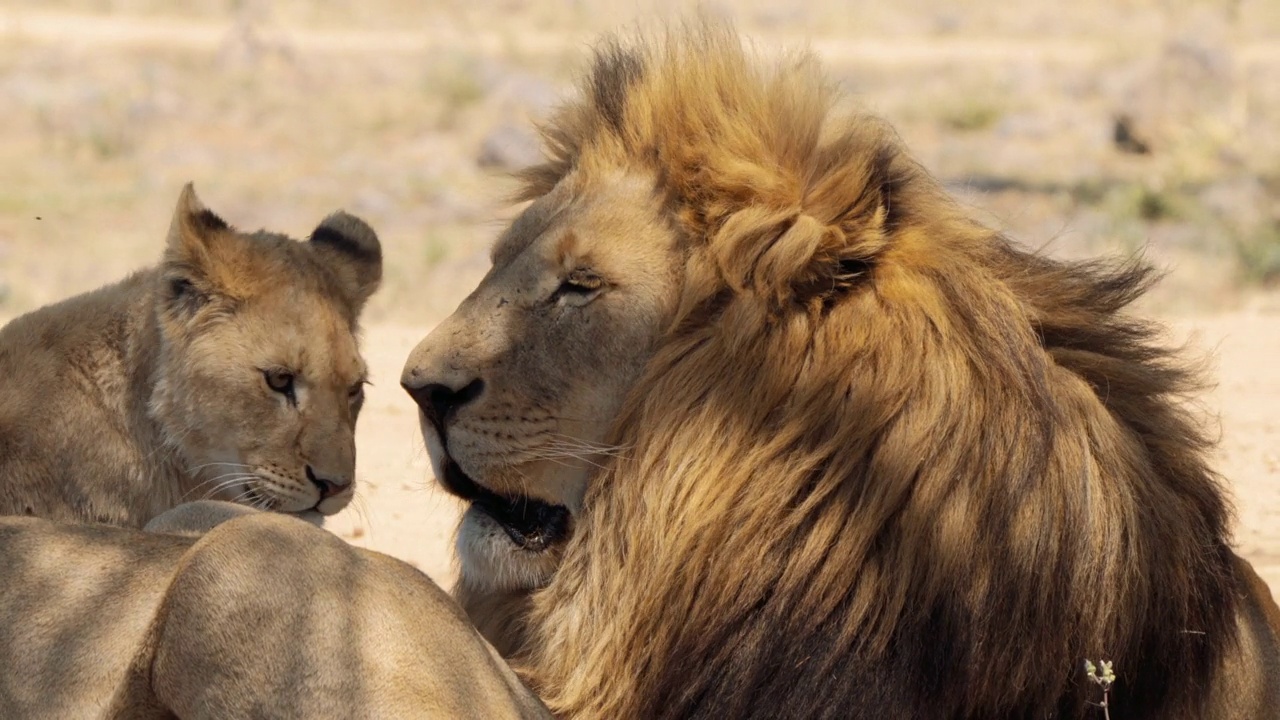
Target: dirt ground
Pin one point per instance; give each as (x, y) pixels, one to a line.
(408, 113)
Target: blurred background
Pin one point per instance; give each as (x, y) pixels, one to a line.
(1083, 126)
(1079, 127)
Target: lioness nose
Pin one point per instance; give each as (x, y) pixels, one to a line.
(439, 401)
(328, 487)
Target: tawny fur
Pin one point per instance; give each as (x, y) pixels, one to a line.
(883, 463)
(265, 616)
(118, 404)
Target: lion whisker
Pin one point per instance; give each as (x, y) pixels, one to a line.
(585, 449)
(559, 457)
(587, 443)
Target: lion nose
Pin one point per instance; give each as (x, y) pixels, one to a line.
(328, 487)
(439, 401)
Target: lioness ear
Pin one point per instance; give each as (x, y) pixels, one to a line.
(350, 249)
(188, 259)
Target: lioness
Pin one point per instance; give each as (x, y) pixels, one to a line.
(263, 617)
(231, 371)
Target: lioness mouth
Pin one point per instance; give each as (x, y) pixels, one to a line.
(531, 524)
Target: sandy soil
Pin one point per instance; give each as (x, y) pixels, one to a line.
(1247, 400)
(283, 111)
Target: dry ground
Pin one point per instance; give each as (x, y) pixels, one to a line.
(406, 113)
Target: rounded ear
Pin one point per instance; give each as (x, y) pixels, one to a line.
(350, 249)
(791, 257)
(190, 280)
(812, 261)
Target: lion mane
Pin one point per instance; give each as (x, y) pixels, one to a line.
(883, 460)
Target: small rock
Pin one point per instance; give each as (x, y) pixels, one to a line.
(1126, 139)
(1243, 199)
(509, 147)
(373, 202)
(520, 92)
(1027, 125)
(1161, 101)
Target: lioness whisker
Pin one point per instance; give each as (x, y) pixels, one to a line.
(227, 484)
(246, 495)
(219, 483)
(214, 491)
(360, 508)
(198, 468)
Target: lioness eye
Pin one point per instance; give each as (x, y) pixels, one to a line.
(280, 381)
(356, 391)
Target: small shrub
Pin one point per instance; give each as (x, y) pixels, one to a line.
(1139, 201)
(456, 82)
(435, 248)
(972, 116)
(1154, 205)
(1258, 255)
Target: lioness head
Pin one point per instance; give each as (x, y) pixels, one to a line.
(518, 387)
(259, 378)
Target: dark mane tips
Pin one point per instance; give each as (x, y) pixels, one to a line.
(615, 71)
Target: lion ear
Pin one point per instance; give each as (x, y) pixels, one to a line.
(848, 219)
(811, 260)
(350, 249)
(189, 274)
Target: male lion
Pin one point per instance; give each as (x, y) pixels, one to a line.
(231, 370)
(860, 456)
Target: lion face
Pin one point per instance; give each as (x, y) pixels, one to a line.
(517, 389)
(259, 378)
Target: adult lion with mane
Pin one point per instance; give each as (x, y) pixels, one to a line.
(755, 422)
(867, 457)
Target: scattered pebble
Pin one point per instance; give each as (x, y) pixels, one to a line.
(509, 147)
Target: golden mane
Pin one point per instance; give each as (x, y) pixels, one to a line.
(883, 458)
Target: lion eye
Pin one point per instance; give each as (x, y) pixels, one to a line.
(280, 381)
(355, 392)
(581, 286)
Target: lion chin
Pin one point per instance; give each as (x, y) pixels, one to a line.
(511, 542)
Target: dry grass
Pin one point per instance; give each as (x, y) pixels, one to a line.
(283, 111)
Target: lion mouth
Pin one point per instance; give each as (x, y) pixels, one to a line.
(532, 524)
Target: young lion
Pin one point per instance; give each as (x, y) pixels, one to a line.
(230, 371)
